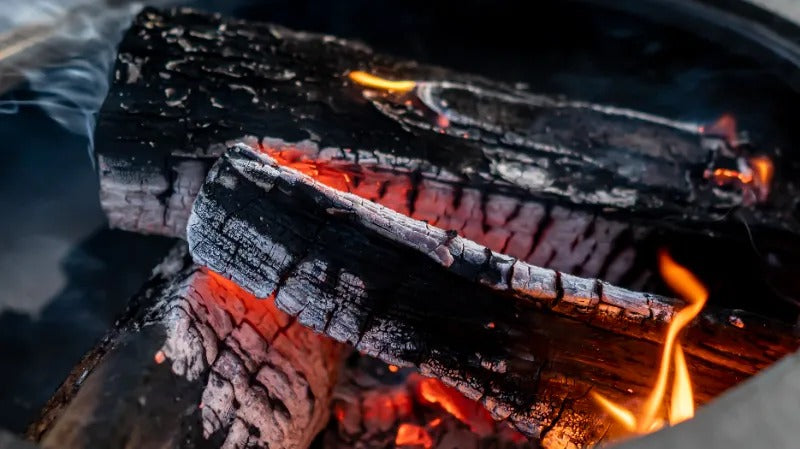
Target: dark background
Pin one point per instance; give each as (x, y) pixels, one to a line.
(65, 277)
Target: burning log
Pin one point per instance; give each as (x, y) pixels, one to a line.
(568, 185)
(197, 361)
(529, 343)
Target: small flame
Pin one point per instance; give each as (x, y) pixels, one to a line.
(682, 401)
(755, 176)
(413, 435)
(368, 80)
(393, 368)
(725, 175)
(763, 171)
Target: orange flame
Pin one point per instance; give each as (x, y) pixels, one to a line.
(763, 171)
(413, 435)
(682, 401)
(433, 391)
(756, 176)
(368, 80)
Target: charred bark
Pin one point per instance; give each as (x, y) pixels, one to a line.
(197, 363)
(568, 185)
(528, 342)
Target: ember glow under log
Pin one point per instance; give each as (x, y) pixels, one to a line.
(528, 342)
(198, 362)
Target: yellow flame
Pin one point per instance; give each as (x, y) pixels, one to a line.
(368, 80)
(682, 402)
(618, 412)
(764, 169)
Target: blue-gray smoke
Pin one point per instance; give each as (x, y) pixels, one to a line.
(64, 49)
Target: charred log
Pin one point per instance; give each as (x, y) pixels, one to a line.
(567, 185)
(528, 342)
(197, 361)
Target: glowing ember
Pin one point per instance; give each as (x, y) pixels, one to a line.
(393, 368)
(413, 435)
(682, 403)
(725, 175)
(433, 391)
(681, 406)
(338, 412)
(755, 176)
(368, 80)
(159, 357)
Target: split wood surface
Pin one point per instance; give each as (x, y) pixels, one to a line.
(581, 188)
(197, 363)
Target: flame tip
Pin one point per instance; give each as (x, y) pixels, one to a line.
(376, 82)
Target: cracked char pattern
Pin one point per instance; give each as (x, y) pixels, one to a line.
(268, 379)
(200, 363)
(590, 182)
(521, 339)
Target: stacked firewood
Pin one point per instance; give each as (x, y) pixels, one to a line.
(440, 229)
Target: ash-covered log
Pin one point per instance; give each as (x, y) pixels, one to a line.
(562, 184)
(197, 362)
(528, 342)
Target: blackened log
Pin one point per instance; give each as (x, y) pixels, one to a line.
(589, 180)
(197, 363)
(528, 342)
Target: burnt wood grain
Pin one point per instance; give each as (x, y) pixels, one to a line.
(196, 363)
(526, 341)
(564, 184)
